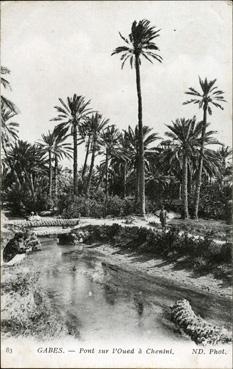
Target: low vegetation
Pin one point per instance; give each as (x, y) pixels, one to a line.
(28, 311)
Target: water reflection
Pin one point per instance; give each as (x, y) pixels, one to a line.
(73, 324)
(97, 300)
(138, 300)
(110, 294)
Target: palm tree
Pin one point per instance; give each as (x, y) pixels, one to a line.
(211, 162)
(109, 140)
(6, 84)
(53, 145)
(46, 147)
(85, 133)
(96, 126)
(61, 151)
(184, 133)
(182, 153)
(139, 44)
(224, 154)
(209, 95)
(132, 141)
(27, 164)
(99, 175)
(120, 164)
(9, 132)
(72, 114)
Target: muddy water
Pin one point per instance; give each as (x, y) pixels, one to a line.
(106, 302)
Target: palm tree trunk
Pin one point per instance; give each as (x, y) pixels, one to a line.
(86, 157)
(106, 184)
(137, 185)
(106, 175)
(190, 179)
(32, 181)
(185, 187)
(50, 175)
(31, 187)
(124, 179)
(140, 146)
(98, 184)
(180, 191)
(91, 170)
(55, 179)
(75, 161)
(200, 163)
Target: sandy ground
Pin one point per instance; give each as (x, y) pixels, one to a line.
(159, 268)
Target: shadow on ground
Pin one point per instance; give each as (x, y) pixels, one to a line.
(222, 273)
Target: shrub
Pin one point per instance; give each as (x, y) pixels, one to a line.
(115, 206)
(95, 206)
(199, 262)
(82, 206)
(215, 202)
(226, 252)
(150, 241)
(21, 202)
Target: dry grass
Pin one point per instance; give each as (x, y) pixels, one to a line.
(27, 311)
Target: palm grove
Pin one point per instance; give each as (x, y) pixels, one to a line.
(124, 172)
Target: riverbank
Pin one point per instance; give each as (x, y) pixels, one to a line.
(28, 309)
(170, 272)
(198, 262)
(215, 279)
(201, 227)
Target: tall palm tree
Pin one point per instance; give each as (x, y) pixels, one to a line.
(72, 114)
(6, 84)
(139, 44)
(96, 126)
(209, 96)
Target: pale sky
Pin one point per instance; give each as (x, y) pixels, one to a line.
(58, 48)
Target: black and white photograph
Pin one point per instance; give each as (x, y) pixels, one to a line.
(116, 184)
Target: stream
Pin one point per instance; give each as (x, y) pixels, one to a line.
(105, 302)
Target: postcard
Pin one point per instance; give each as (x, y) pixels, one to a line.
(116, 217)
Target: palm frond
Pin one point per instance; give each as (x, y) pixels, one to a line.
(140, 42)
(123, 38)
